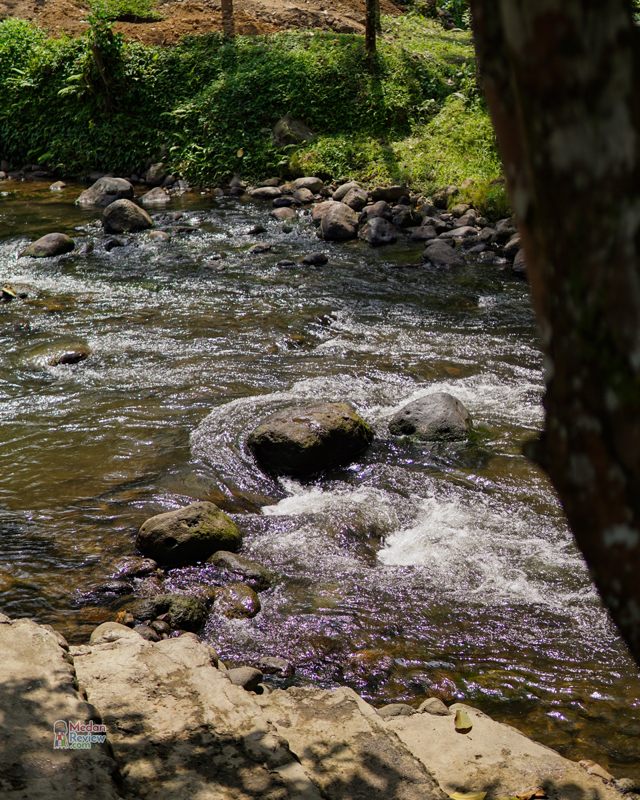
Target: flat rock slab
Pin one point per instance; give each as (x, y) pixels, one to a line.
(306, 439)
(181, 729)
(37, 688)
(343, 745)
(434, 417)
(493, 757)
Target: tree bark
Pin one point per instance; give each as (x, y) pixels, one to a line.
(378, 18)
(228, 25)
(370, 30)
(561, 78)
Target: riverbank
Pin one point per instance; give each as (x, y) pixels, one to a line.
(208, 108)
(178, 723)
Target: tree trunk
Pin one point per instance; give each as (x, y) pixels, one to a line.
(378, 18)
(228, 25)
(370, 31)
(561, 78)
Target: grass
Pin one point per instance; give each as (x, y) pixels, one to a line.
(207, 105)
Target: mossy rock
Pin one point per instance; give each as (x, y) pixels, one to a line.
(250, 572)
(188, 535)
(185, 612)
(303, 440)
(238, 601)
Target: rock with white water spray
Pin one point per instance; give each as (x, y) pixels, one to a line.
(302, 440)
(237, 601)
(250, 572)
(438, 416)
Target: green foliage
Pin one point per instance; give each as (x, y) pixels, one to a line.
(123, 9)
(101, 102)
(459, 10)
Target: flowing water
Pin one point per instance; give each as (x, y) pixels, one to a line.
(419, 570)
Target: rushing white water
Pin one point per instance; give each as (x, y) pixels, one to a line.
(418, 569)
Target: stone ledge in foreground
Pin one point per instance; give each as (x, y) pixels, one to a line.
(179, 729)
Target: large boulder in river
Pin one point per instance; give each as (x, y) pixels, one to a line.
(265, 193)
(356, 199)
(305, 439)
(237, 601)
(104, 191)
(378, 231)
(320, 210)
(342, 191)
(434, 417)
(188, 535)
(339, 223)
(155, 197)
(53, 244)
(125, 215)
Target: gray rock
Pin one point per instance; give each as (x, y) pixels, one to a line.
(435, 706)
(303, 196)
(505, 229)
(58, 186)
(512, 247)
(237, 601)
(125, 215)
(155, 197)
(389, 193)
(156, 174)
(307, 439)
(487, 235)
(110, 632)
(315, 259)
(283, 213)
(396, 710)
(339, 223)
(434, 417)
(314, 185)
(105, 190)
(53, 244)
(378, 231)
(265, 193)
(111, 244)
(320, 210)
(519, 267)
(290, 131)
(440, 254)
(159, 236)
(356, 199)
(276, 666)
(460, 209)
(342, 191)
(424, 234)
(188, 535)
(463, 232)
(271, 182)
(281, 202)
(147, 632)
(405, 217)
(259, 248)
(379, 209)
(251, 572)
(246, 677)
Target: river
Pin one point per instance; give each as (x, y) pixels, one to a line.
(420, 569)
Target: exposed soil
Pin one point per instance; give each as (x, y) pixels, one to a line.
(187, 17)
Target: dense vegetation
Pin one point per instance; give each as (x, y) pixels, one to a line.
(207, 105)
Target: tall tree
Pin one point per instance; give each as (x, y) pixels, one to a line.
(228, 25)
(370, 30)
(561, 78)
